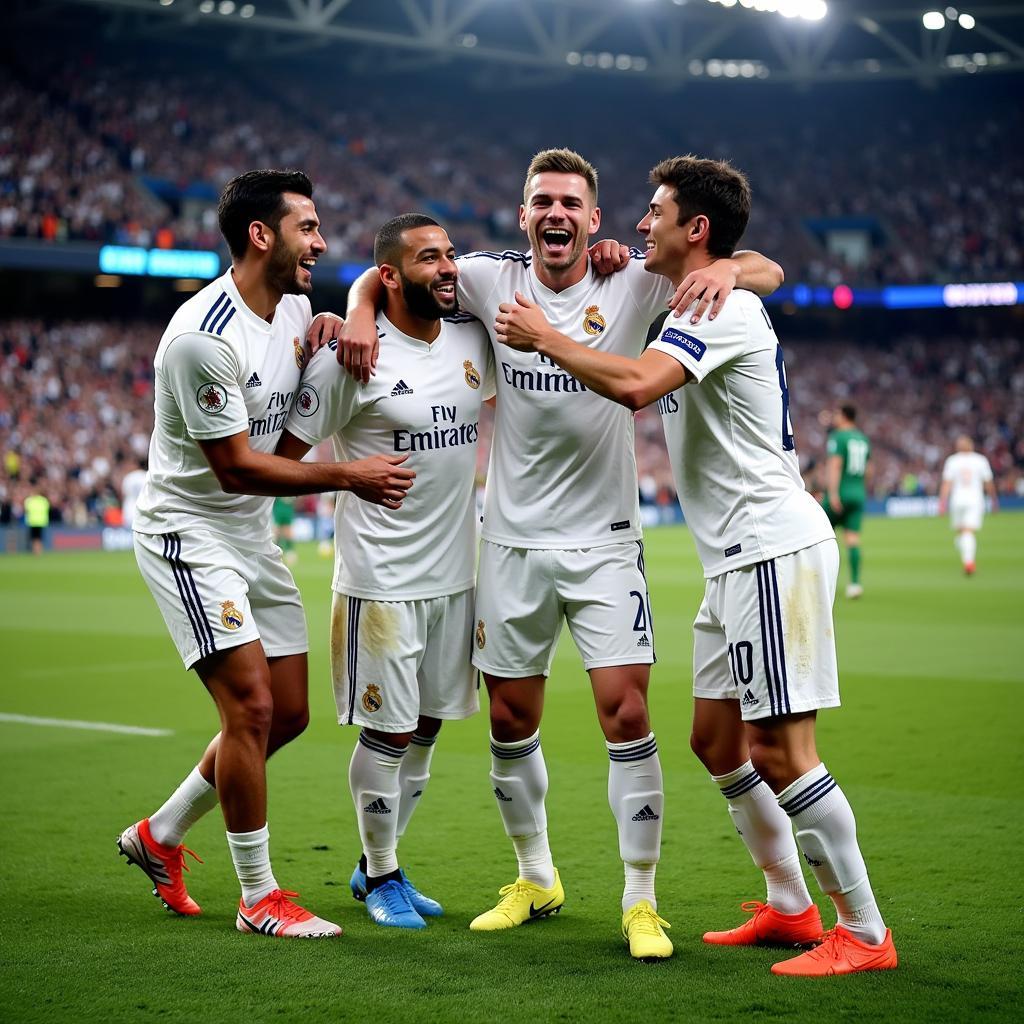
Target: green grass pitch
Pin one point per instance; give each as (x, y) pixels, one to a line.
(927, 746)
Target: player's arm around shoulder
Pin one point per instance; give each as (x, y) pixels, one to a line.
(708, 288)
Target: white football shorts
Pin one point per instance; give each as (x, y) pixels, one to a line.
(966, 515)
(214, 595)
(393, 661)
(764, 635)
(524, 594)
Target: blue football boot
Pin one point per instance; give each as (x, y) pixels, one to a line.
(423, 905)
(389, 905)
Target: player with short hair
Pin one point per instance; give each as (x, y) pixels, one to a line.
(966, 479)
(402, 618)
(845, 470)
(561, 532)
(764, 651)
(227, 367)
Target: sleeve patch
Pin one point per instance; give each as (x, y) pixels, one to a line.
(687, 342)
(308, 401)
(212, 398)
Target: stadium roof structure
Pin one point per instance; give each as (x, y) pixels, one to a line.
(509, 43)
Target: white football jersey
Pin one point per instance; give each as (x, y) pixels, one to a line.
(730, 440)
(424, 402)
(968, 472)
(220, 369)
(562, 472)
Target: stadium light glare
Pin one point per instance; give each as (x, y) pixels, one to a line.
(206, 7)
(951, 13)
(226, 7)
(934, 20)
(247, 10)
(166, 3)
(572, 58)
(966, 21)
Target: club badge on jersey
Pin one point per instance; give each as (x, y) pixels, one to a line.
(300, 353)
(473, 377)
(593, 322)
(481, 635)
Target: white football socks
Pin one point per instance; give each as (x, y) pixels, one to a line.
(636, 795)
(768, 835)
(413, 777)
(520, 780)
(826, 833)
(967, 545)
(250, 852)
(373, 779)
(184, 807)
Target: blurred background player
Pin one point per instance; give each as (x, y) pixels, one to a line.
(131, 487)
(37, 519)
(227, 368)
(284, 517)
(561, 535)
(966, 479)
(846, 467)
(402, 618)
(760, 669)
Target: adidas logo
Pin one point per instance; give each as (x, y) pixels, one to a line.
(643, 641)
(254, 381)
(749, 700)
(646, 814)
(401, 388)
(377, 807)
(501, 796)
(419, 792)
(813, 863)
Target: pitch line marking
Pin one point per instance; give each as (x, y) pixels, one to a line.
(72, 723)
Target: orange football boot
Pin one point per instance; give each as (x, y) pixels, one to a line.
(278, 916)
(840, 953)
(163, 865)
(767, 927)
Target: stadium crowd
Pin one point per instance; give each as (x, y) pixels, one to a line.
(97, 152)
(76, 412)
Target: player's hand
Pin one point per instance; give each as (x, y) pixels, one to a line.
(608, 256)
(709, 286)
(358, 346)
(380, 479)
(835, 504)
(942, 508)
(325, 328)
(521, 324)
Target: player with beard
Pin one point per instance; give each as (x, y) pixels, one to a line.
(402, 617)
(561, 532)
(226, 370)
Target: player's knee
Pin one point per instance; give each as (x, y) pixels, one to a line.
(703, 746)
(627, 718)
(290, 723)
(511, 721)
(776, 764)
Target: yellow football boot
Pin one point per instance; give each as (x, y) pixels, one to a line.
(520, 902)
(644, 931)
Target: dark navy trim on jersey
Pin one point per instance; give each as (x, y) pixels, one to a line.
(810, 796)
(225, 321)
(779, 634)
(380, 747)
(640, 564)
(215, 310)
(747, 783)
(509, 254)
(189, 595)
(637, 254)
(639, 751)
(355, 606)
(461, 318)
(514, 755)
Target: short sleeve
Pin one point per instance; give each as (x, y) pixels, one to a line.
(650, 292)
(832, 447)
(986, 469)
(202, 372)
(478, 275)
(327, 399)
(708, 345)
(948, 471)
(490, 374)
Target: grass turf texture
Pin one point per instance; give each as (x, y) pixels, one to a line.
(927, 746)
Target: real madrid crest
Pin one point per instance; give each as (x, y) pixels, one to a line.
(481, 635)
(472, 374)
(230, 616)
(300, 353)
(372, 700)
(593, 322)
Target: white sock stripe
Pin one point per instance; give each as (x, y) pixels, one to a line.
(380, 747)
